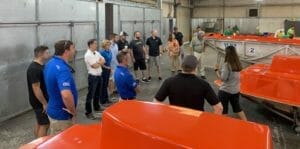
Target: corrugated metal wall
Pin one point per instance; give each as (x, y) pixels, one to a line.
(133, 18)
(271, 13)
(24, 24)
(246, 25)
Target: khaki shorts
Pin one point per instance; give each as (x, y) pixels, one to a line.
(153, 59)
(57, 126)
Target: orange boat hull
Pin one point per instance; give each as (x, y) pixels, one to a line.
(133, 124)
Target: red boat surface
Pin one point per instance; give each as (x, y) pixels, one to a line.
(134, 124)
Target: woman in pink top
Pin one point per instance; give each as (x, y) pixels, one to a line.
(174, 52)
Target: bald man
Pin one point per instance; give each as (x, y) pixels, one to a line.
(154, 48)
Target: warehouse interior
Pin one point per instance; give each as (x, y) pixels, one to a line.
(26, 24)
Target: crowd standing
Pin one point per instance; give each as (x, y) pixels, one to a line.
(54, 97)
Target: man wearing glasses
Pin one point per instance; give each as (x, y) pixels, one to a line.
(61, 88)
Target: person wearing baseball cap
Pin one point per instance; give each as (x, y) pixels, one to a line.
(123, 43)
(197, 47)
(188, 90)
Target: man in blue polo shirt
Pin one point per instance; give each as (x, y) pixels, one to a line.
(126, 84)
(61, 88)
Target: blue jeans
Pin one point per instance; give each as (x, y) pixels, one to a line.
(105, 80)
(94, 86)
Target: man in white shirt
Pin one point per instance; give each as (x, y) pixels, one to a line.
(94, 62)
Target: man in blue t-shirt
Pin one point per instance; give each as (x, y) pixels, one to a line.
(61, 87)
(126, 85)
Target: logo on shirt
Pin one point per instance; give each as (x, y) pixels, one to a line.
(134, 84)
(57, 67)
(66, 84)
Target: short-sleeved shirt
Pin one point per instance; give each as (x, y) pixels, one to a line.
(230, 80)
(90, 59)
(291, 32)
(58, 77)
(35, 75)
(125, 83)
(173, 47)
(179, 38)
(122, 44)
(107, 56)
(228, 32)
(137, 47)
(154, 44)
(187, 90)
(235, 29)
(114, 51)
(197, 44)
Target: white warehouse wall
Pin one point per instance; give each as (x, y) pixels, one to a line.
(272, 13)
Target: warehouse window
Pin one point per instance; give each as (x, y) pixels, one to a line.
(253, 12)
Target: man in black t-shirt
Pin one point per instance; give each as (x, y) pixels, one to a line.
(123, 43)
(187, 90)
(138, 55)
(38, 97)
(154, 46)
(179, 38)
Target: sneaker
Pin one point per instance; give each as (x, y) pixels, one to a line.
(145, 80)
(159, 78)
(203, 77)
(115, 92)
(90, 116)
(113, 99)
(100, 110)
(107, 104)
(149, 78)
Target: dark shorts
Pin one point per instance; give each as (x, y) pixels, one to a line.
(42, 118)
(225, 98)
(139, 64)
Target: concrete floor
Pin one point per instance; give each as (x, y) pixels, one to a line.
(19, 130)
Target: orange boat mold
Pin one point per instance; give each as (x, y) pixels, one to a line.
(254, 38)
(134, 124)
(278, 82)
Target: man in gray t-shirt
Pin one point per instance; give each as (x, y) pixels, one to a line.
(197, 49)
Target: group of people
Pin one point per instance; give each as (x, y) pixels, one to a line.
(52, 89)
(186, 89)
(231, 31)
(289, 34)
(53, 93)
